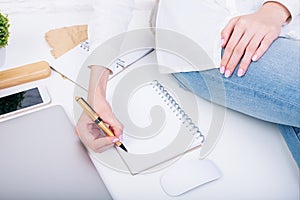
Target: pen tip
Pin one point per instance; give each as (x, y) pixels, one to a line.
(123, 147)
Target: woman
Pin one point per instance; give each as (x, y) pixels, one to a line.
(260, 45)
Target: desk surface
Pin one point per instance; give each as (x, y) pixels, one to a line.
(252, 155)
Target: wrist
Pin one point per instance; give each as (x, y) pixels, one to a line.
(97, 84)
(276, 11)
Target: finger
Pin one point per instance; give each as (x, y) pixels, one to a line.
(86, 134)
(250, 50)
(230, 47)
(238, 53)
(86, 137)
(117, 132)
(83, 126)
(264, 45)
(95, 130)
(227, 31)
(118, 127)
(89, 134)
(233, 61)
(114, 124)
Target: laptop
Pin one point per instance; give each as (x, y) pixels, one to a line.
(42, 158)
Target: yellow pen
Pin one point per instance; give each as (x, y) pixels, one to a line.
(93, 115)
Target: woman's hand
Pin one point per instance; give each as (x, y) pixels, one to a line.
(88, 132)
(246, 38)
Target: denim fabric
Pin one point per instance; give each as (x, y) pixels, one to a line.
(269, 91)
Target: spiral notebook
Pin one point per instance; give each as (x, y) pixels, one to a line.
(161, 119)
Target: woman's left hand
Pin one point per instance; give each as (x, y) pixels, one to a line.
(246, 38)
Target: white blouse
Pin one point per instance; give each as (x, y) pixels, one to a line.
(201, 21)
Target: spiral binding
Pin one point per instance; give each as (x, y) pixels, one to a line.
(85, 45)
(175, 107)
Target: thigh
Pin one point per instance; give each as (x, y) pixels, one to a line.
(270, 90)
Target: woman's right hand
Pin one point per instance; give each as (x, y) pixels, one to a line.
(88, 132)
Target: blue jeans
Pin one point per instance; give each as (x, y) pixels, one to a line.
(269, 91)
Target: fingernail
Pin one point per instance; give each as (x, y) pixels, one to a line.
(121, 137)
(240, 72)
(116, 140)
(254, 58)
(227, 73)
(222, 70)
(222, 42)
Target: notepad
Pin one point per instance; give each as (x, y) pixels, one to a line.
(70, 64)
(159, 116)
(162, 119)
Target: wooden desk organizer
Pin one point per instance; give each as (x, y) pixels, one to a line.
(24, 74)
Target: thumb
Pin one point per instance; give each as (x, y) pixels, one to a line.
(116, 126)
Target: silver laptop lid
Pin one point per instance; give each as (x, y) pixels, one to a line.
(42, 158)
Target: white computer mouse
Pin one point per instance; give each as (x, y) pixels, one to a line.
(188, 175)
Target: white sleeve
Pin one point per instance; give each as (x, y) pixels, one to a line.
(292, 5)
(110, 18)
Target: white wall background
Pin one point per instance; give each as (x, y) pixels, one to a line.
(23, 6)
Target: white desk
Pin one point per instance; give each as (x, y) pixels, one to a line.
(251, 154)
